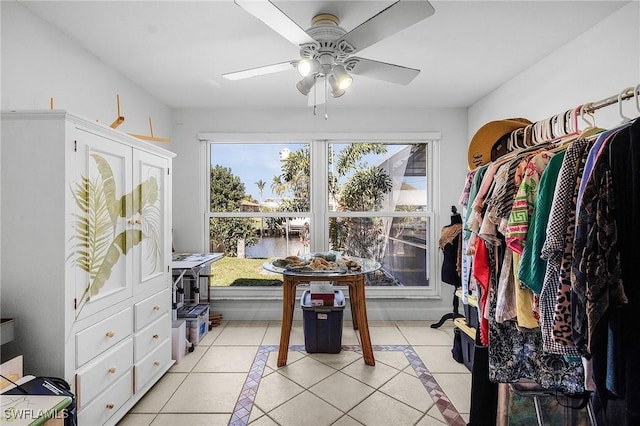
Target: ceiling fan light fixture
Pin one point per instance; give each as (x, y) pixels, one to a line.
(336, 91)
(305, 85)
(342, 77)
(307, 66)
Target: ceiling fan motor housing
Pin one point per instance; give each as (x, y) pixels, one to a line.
(326, 49)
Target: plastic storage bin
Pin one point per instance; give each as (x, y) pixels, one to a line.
(322, 324)
(197, 316)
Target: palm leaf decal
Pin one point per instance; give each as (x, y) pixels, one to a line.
(97, 247)
(108, 187)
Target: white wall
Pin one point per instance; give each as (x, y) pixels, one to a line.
(39, 62)
(597, 64)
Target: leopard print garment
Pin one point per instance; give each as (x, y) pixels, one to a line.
(562, 323)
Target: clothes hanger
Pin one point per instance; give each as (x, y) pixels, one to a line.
(636, 94)
(591, 130)
(625, 119)
(571, 130)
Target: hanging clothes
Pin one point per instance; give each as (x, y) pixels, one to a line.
(516, 353)
(553, 246)
(451, 245)
(532, 266)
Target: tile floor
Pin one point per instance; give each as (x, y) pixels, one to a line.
(231, 378)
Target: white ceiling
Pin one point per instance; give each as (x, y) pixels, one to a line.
(177, 50)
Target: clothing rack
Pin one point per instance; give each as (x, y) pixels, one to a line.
(626, 94)
(566, 124)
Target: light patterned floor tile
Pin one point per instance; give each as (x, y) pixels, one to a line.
(274, 390)
(458, 388)
(306, 372)
(342, 391)
(427, 420)
(347, 421)
(132, 419)
(206, 393)
(160, 393)
(190, 360)
(232, 359)
(185, 419)
(374, 376)
(241, 333)
(211, 336)
(426, 336)
(292, 357)
(410, 390)
(264, 421)
(395, 359)
(305, 409)
(386, 336)
(438, 359)
(339, 360)
(380, 409)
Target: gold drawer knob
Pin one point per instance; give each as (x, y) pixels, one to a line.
(156, 363)
(155, 336)
(112, 370)
(156, 308)
(110, 406)
(110, 334)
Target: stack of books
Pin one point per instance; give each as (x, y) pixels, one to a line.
(322, 293)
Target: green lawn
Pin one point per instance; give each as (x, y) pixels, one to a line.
(231, 271)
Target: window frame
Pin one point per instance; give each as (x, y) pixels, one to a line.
(319, 211)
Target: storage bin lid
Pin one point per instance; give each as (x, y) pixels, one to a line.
(338, 304)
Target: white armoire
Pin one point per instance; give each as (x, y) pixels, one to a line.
(86, 257)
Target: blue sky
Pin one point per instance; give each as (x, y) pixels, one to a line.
(252, 162)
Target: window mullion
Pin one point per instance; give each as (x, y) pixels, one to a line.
(319, 199)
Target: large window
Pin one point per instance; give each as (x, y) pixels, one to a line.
(367, 199)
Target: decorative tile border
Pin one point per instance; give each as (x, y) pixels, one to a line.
(242, 410)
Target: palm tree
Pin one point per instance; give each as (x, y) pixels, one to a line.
(261, 185)
(277, 186)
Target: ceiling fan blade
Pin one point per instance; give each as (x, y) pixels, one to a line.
(394, 18)
(381, 70)
(271, 15)
(267, 69)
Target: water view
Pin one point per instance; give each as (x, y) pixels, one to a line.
(276, 246)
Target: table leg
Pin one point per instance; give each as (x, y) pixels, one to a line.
(363, 323)
(288, 301)
(352, 305)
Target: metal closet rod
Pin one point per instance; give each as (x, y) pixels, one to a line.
(624, 95)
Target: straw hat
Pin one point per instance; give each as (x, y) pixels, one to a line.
(486, 137)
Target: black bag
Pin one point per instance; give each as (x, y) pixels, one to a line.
(456, 350)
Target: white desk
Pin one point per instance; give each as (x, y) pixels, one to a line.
(192, 264)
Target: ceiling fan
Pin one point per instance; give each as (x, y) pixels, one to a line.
(326, 48)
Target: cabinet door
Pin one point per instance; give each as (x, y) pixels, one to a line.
(150, 216)
(103, 236)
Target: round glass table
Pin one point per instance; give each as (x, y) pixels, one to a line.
(354, 279)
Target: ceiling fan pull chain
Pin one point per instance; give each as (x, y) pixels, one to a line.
(326, 99)
(315, 97)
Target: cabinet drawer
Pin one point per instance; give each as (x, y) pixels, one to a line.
(104, 371)
(102, 336)
(108, 403)
(151, 308)
(151, 337)
(152, 364)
